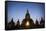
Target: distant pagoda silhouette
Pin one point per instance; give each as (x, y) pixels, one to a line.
(27, 19)
(11, 25)
(18, 24)
(42, 22)
(12, 22)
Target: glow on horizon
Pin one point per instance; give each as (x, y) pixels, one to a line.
(18, 10)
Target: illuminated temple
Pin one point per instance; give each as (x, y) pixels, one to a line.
(27, 21)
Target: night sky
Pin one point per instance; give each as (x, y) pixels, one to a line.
(17, 10)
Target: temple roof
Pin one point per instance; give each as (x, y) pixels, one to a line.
(27, 13)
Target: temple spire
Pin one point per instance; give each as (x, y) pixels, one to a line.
(27, 11)
(12, 20)
(27, 14)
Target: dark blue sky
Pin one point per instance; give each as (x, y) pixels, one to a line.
(17, 10)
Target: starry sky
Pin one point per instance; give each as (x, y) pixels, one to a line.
(17, 10)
